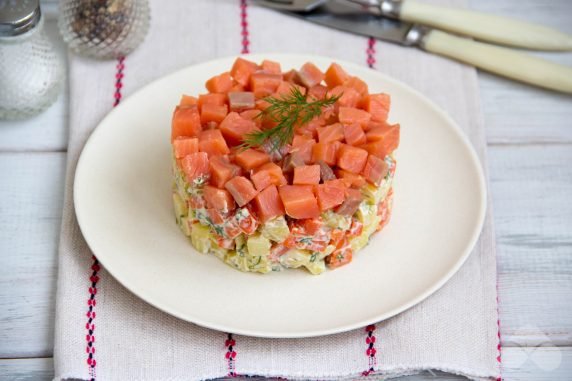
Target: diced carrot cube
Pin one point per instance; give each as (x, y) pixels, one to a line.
(350, 115)
(219, 84)
(354, 135)
(311, 225)
(188, 100)
(241, 189)
(222, 170)
(333, 132)
(378, 106)
(335, 76)
(267, 174)
(264, 84)
(307, 175)
(351, 158)
(219, 199)
(382, 140)
(299, 201)
(242, 70)
(186, 122)
(241, 100)
(342, 255)
(195, 165)
(212, 99)
(309, 75)
(349, 96)
(325, 152)
(250, 159)
(317, 92)
(234, 128)
(213, 113)
(330, 194)
(268, 204)
(375, 169)
(303, 146)
(350, 179)
(271, 67)
(286, 87)
(357, 84)
(212, 142)
(183, 146)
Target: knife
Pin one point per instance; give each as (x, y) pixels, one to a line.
(495, 59)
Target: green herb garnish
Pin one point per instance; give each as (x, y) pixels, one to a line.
(289, 111)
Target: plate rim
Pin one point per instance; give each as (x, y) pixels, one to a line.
(451, 125)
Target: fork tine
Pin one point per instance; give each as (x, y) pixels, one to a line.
(291, 5)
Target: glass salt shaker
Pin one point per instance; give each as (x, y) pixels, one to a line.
(103, 28)
(31, 72)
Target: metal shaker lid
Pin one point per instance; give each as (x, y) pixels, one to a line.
(18, 16)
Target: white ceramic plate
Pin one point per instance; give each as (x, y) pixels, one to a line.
(123, 203)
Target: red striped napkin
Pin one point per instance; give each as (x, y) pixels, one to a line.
(105, 332)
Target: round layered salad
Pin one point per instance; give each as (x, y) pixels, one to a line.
(280, 170)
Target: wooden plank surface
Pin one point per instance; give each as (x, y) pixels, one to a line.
(520, 364)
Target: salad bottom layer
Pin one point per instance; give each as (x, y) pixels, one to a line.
(241, 241)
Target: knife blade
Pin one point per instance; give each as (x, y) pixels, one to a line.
(348, 18)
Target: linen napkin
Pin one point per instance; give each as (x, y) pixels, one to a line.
(105, 332)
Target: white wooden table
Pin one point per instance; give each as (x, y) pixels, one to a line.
(530, 156)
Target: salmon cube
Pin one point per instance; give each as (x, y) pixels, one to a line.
(218, 199)
(351, 158)
(241, 190)
(195, 166)
(264, 84)
(382, 140)
(357, 84)
(350, 179)
(262, 104)
(271, 67)
(325, 152)
(241, 100)
(303, 146)
(309, 75)
(234, 128)
(183, 146)
(286, 88)
(335, 76)
(188, 100)
(351, 202)
(375, 169)
(333, 132)
(349, 97)
(242, 70)
(307, 175)
(378, 106)
(268, 204)
(350, 115)
(317, 92)
(354, 135)
(219, 84)
(212, 142)
(250, 159)
(253, 115)
(222, 170)
(299, 201)
(268, 174)
(290, 76)
(330, 194)
(213, 113)
(212, 99)
(186, 122)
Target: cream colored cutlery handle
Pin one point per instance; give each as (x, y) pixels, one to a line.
(486, 27)
(502, 61)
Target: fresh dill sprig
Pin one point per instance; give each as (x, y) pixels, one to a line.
(288, 111)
